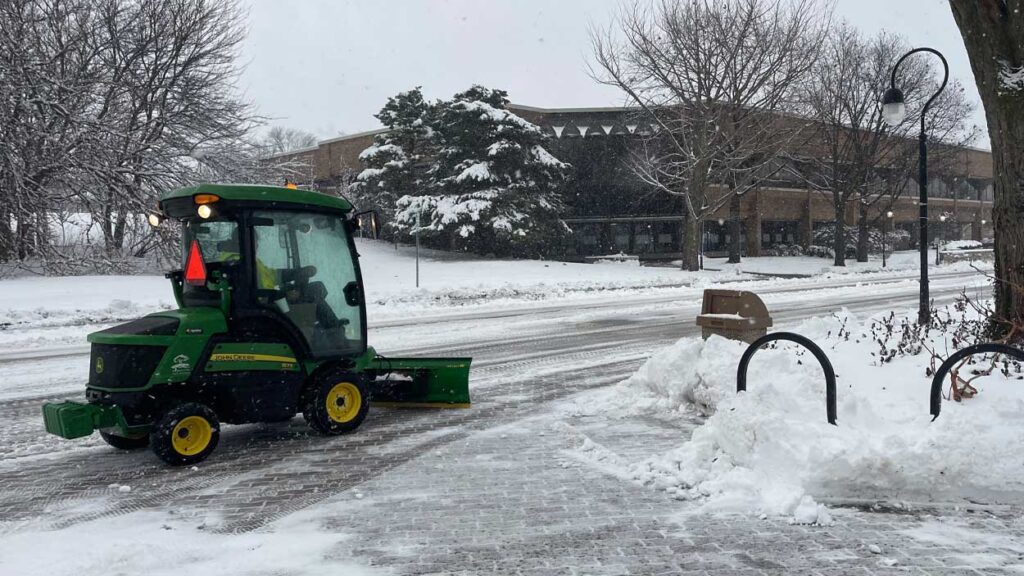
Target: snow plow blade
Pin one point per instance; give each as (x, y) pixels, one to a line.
(419, 382)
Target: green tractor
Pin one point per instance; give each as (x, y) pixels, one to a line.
(271, 321)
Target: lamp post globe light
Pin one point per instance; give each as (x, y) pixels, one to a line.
(894, 110)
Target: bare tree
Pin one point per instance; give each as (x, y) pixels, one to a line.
(103, 104)
(176, 65)
(280, 139)
(49, 65)
(993, 32)
(710, 78)
(854, 154)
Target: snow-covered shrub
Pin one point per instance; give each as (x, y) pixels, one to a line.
(783, 250)
(819, 251)
(398, 160)
(492, 187)
(824, 240)
(965, 323)
(961, 245)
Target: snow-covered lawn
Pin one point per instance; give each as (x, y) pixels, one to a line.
(809, 266)
(59, 311)
(770, 450)
(390, 276)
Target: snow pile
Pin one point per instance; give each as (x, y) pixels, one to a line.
(770, 450)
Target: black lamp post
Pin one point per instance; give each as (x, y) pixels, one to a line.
(894, 110)
(885, 233)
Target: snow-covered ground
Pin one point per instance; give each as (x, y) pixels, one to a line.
(535, 329)
(275, 499)
(770, 450)
(156, 545)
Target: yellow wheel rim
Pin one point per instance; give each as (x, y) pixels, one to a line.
(343, 402)
(191, 435)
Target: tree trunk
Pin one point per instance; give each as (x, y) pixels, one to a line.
(6, 236)
(863, 238)
(839, 238)
(993, 34)
(21, 238)
(120, 223)
(734, 228)
(690, 249)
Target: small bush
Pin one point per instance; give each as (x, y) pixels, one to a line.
(820, 251)
(783, 250)
(824, 239)
(961, 245)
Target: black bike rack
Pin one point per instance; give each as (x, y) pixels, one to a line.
(826, 366)
(940, 374)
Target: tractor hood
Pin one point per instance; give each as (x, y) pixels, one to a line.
(160, 348)
(161, 328)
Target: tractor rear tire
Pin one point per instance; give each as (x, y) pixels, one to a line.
(336, 403)
(186, 434)
(124, 442)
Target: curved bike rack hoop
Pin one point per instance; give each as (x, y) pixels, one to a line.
(940, 374)
(826, 366)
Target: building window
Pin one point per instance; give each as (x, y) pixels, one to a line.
(780, 232)
(620, 237)
(643, 241)
(588, 238)
(667, 234)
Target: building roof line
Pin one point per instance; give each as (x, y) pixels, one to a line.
(625, 108)
(537, 109)
(320, 143)
(343, 137)
(570, 110)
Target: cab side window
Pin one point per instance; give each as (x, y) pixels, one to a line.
(218, 242)
(305, 270)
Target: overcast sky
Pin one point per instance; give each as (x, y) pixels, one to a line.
(326, 66)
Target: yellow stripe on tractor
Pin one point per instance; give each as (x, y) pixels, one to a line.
(250, 358)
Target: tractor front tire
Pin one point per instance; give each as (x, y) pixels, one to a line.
(124, 442)
(186, 434)
(336, 403)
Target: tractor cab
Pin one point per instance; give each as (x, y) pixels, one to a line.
(277, 261)
(294, 273)
(271, 321)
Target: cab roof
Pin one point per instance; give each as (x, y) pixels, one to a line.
(260, 193)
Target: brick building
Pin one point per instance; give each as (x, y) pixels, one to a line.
(610, 211)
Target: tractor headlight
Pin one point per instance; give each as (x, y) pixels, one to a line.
(154, 219)
(204, 211)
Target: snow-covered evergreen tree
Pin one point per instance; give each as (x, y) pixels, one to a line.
(493, 188)
(397, 162)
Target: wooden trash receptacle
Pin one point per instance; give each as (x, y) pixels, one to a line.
(733, 314)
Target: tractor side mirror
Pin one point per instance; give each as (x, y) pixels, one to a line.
(352, 295)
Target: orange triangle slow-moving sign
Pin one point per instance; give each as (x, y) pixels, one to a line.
(195, 267)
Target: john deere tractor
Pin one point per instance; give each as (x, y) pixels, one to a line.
(271, 321)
